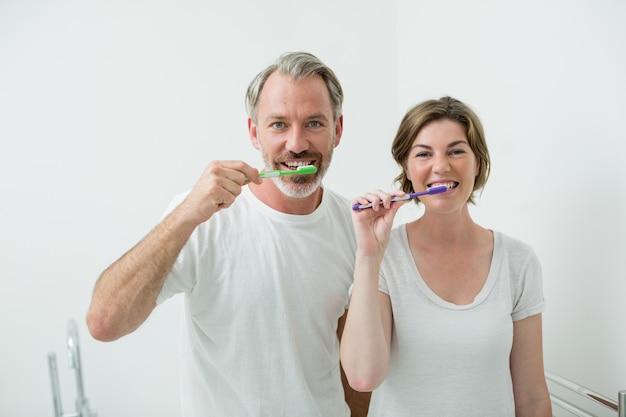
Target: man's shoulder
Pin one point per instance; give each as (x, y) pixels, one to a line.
(337, 198)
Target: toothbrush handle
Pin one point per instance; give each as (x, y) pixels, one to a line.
(357, 206)
(409, 196)
(270, 174)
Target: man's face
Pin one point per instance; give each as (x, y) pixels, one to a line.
(295, 127)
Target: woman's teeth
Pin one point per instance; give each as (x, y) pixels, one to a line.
(449, 185)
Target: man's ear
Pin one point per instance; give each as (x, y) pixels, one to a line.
(338, 130)
(252, 132)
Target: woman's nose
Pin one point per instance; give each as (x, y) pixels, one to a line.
(441, 163)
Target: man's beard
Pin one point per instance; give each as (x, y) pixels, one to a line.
(295, 185)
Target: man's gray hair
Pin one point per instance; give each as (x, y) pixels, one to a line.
(298, 65)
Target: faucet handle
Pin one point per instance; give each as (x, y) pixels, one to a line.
(73, 353)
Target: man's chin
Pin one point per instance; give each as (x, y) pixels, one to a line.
(295, 190)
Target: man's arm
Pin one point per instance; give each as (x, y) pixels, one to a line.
(126, 292)
(357, 401)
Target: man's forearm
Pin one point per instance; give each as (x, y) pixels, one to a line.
(126, 292)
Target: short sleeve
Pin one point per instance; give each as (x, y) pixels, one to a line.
(528, 288)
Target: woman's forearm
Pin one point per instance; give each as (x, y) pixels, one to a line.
(366, 335)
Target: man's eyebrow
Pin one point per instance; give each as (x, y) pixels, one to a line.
(317, 116)
(274, 116)
(281, 117)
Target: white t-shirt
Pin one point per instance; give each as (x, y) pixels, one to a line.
(263, 293)
(451, 360)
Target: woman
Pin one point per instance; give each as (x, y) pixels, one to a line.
(445, 315)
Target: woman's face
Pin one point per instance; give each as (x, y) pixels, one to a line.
(441, 155)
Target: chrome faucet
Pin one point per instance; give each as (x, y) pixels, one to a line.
(73, 356)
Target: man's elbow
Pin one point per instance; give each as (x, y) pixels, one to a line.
(100, 328)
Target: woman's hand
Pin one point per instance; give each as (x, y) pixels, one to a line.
(373, 225)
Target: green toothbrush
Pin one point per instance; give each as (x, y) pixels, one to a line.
(301, 170)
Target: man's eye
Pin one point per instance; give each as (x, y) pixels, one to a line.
(278, 125)
(314, 124)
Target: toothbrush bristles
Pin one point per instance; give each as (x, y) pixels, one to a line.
(438, 189)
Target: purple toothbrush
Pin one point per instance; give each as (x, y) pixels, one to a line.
(433, 190)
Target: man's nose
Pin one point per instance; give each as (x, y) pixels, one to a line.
(297, 141)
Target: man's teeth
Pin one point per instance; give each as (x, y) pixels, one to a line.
(296, 165)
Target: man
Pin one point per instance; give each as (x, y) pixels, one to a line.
(265, 264)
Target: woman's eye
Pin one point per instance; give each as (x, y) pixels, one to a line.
(457, 152)
(421, 155)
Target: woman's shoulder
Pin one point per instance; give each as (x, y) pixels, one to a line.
(516, 250)
(509, 241)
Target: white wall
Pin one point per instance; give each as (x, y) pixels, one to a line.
(108, 109)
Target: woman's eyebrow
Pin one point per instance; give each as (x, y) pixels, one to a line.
(458, 142)
(450, 145)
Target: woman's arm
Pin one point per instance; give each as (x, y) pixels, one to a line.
(365, 344)
(530, 389)
(366, 340)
